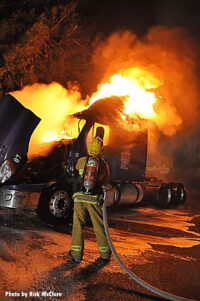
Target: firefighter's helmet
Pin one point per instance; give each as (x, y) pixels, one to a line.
(95, 148)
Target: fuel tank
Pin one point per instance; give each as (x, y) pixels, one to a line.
(124, 194)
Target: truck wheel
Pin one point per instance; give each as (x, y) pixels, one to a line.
(181, 194)
(163, 196)
(117, 195)
(55, 205)
(178, 193)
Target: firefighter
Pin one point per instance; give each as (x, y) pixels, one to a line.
(94, 172)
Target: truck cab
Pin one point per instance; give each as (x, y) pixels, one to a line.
(47, 184)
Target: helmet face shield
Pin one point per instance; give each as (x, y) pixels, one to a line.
(95, 148)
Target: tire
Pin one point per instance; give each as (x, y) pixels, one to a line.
(55, 205)
(178, 193)
(163, 196)
(116, 196)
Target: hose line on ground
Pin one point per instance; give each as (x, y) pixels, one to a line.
(143, 283)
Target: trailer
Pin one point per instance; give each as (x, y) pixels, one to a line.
(48, 183)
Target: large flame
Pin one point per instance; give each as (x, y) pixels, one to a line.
(135, 85)
(164, 61)
(53, 104)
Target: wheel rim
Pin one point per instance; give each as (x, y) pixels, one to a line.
(59, 203)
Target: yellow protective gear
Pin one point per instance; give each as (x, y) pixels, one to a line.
(80, 217)
(95, 148)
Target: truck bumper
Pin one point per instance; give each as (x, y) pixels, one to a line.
(20, 196)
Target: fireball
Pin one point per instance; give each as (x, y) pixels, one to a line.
(135, 86)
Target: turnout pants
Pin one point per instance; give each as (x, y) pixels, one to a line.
(79, 220)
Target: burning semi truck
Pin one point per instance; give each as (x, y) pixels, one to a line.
(47, 183)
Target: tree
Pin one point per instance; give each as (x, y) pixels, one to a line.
(53, 46)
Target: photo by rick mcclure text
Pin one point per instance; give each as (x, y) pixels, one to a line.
(24, 294)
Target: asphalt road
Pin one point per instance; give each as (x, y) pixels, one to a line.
(161, 246)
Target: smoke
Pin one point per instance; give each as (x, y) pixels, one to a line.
(170, 55)
(53, 104)
(167, 53)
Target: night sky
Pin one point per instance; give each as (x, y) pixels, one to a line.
(139, 15)
(110, 15)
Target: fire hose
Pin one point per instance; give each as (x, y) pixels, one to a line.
(133, 276)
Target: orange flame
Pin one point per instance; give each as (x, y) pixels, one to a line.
(53, 104)
(55, 136)
(164, 57)
(132, 84)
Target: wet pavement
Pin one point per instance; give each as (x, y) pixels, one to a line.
(161, 246)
